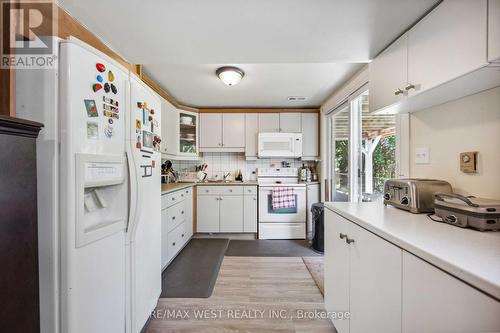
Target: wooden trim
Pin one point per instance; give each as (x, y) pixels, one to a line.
(255, 110)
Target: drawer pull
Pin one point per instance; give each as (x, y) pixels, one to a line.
(182, 212)
(173, 217)
(349, 240)
(173, 199)
(182, 235)
(342, 236)
(182, 195)
(254, 199)
(173, 244)
(398, 92)
(230, 190)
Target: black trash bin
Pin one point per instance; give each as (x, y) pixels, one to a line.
(318, 222)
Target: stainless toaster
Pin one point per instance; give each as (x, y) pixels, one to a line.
(413, 194)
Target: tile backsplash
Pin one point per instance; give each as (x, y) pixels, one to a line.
(221, 163)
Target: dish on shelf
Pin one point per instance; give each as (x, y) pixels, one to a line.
(186, 120)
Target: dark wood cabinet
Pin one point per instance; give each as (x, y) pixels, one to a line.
(19, 288)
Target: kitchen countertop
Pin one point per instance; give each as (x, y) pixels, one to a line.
(247, 183)
(172, 187)
(469, 255)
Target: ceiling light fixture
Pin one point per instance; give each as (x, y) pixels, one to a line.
(230, 75)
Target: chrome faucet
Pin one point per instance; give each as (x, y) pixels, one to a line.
(226, 175)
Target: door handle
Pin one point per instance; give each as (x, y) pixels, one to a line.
(342, 236)
(349, 240)
(409, 86)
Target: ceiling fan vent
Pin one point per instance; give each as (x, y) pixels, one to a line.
(296, 98)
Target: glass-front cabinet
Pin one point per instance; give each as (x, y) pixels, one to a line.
(188, 136)
(179, 133)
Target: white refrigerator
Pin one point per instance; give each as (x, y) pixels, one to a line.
(99, 195)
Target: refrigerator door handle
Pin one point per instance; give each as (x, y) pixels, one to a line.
(134, 188)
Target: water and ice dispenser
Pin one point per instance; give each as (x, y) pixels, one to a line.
(101, 196)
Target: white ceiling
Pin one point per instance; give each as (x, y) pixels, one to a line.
(286, 47)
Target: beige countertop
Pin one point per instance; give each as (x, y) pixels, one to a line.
(470, 255)
(172, 187)
(247, 183)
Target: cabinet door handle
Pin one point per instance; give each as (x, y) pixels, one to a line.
(255, 199)
(342, 236)
(173, 217)
(182, 235)
(220, 199)
(349, 240)
(182, 195)
(409, 86)
(173, 244)
(173, 199)
(182, 212)
(398, 91)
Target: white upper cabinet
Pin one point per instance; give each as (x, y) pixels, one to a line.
(210, 130)
(179, 133)
(290, 122)
(443, 57)
(388, 74)
(222, 132)
(447, 43)
(251, 134)
(269, 122)
(233, 130)
(310, 136)
(494, 30)
(169, 130)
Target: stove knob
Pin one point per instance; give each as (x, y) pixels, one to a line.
(387, 196)
(405, 201)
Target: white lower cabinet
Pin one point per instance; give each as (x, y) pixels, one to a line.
(362, 276)
(176, 223)
(250, 213)
(227, 209)
(387, 289)
(231, 213)
(435, 301)
(208, 213)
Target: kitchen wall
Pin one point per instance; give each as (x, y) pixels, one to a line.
(220, 163)
(471, 123)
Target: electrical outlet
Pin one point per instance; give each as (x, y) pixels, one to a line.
(422, 155)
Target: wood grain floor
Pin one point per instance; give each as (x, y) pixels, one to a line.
(252, 294)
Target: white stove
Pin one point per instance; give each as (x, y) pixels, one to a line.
(281, 223)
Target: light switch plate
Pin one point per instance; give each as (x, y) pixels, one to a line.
(422, 155)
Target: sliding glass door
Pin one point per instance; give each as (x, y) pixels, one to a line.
(361, 151)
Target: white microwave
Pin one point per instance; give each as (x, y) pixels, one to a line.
(280, 145)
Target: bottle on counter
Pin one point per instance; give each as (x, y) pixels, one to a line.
(308, 175)
(303, 173)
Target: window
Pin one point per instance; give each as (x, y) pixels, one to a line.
(362, 151)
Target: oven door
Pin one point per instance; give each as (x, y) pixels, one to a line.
(284, 215)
